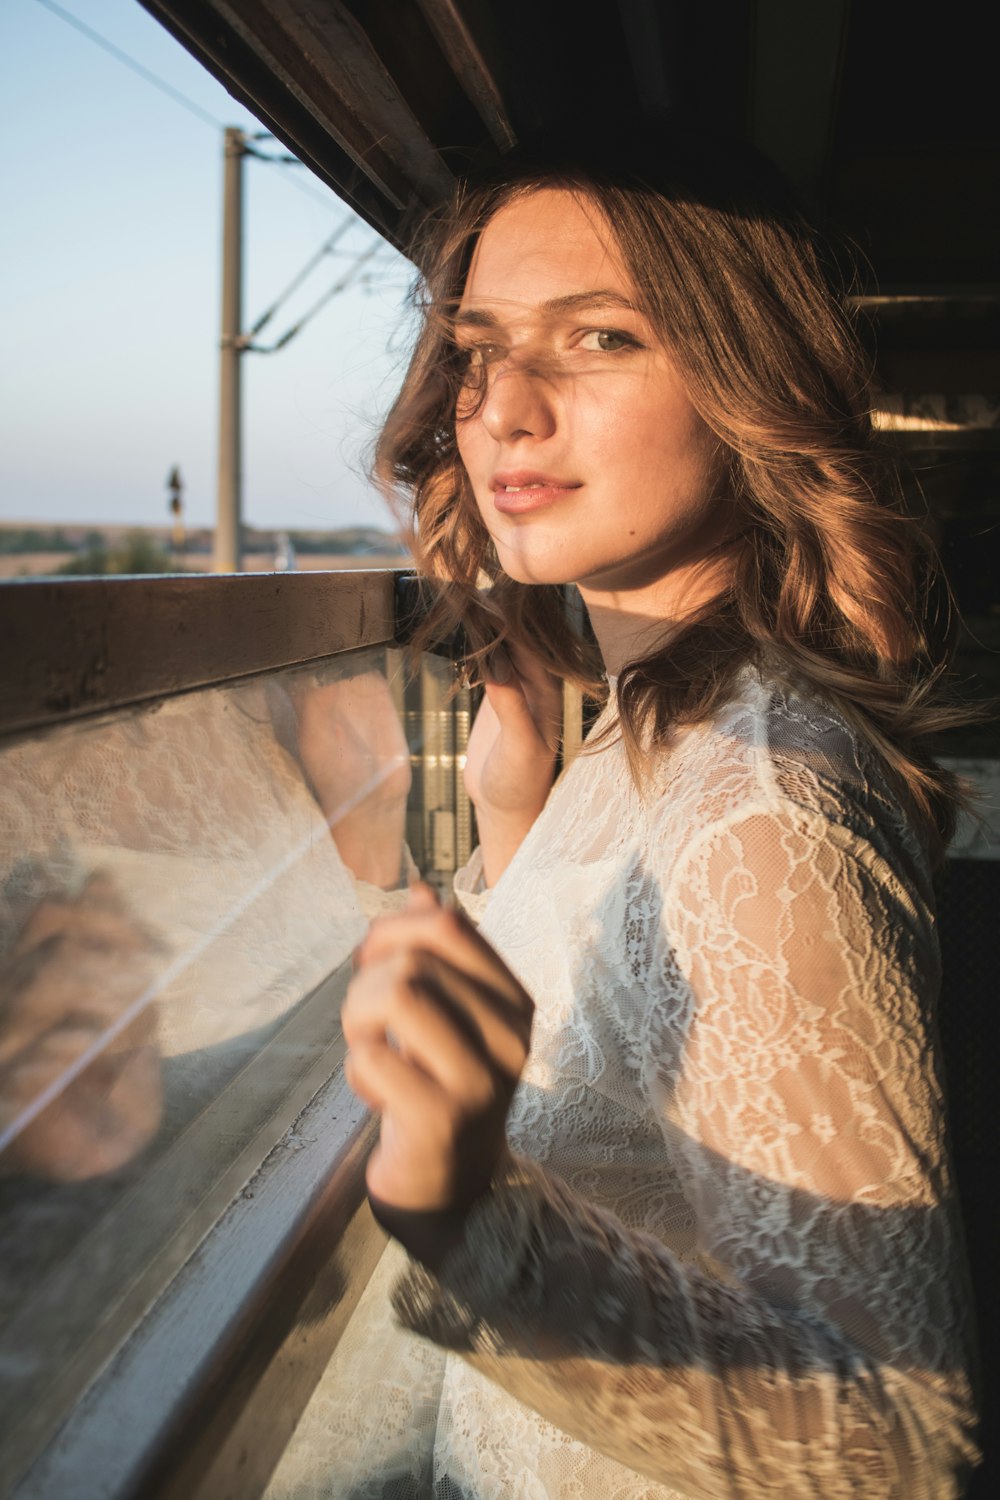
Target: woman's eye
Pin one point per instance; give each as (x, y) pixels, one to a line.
(476, 356)
(607, 340)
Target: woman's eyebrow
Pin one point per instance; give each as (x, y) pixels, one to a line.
(476, 317)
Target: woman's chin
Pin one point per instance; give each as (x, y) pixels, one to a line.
(536, 571)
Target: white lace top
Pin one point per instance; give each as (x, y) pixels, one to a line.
(726, 1261)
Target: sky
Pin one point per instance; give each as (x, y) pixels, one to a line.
(110, 269)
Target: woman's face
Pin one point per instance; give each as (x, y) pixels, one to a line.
(587, 460)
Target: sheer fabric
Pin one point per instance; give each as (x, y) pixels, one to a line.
(223, 903)
(198, 816)
(726, 1258)
(202, 818)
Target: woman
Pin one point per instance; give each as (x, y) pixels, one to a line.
(720, 1254)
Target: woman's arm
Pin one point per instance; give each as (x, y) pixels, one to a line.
(353, 750)
(816, 1348)
(511, 757)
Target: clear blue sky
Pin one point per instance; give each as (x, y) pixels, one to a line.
(110, 269)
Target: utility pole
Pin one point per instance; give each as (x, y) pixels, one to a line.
(228, 519)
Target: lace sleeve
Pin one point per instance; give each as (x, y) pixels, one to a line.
(470, 889)
(816, 1345)
(374, 900)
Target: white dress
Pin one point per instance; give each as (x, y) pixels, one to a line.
(727, 1260)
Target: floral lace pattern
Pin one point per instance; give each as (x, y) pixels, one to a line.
(727, 1259)
(205, 824)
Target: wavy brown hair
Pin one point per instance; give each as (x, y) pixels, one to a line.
(833, 580)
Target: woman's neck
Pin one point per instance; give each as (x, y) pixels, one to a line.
(630, 623)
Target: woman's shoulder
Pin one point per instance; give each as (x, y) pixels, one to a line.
(780, 749)
(773, 737)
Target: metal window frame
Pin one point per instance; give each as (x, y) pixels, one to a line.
(79, 646)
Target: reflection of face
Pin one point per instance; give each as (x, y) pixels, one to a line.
(582, 402)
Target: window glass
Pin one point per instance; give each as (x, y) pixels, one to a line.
(181, 887)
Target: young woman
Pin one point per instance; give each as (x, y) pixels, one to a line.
(664, 1136)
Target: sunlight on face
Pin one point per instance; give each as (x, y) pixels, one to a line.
(587, 460)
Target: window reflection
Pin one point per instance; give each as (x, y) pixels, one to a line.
(181, 887)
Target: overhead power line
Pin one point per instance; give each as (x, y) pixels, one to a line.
(130, 62)
(279, 162)
(340, 285)
(148, 76)
(296, 281)
(167, 88)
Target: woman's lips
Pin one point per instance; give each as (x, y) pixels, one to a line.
(515, 494)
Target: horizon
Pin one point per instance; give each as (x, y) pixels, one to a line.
(38, 523)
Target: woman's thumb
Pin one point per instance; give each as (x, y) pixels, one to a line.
(421, 897)
(506, 698)
(498, 667)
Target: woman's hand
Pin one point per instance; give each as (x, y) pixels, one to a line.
(75, 970)
(355, 754)
(438, 1030)
(511, 756)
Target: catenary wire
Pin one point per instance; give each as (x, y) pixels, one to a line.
(340, 285)
(130, 62)
(306, 271)
(172, 93)
(272, 161)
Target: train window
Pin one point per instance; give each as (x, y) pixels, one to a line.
(181, 886)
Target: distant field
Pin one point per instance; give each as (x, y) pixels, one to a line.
(24, 564)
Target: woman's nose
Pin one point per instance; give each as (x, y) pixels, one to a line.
(517, 404)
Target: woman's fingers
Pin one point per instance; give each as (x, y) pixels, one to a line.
(507, 713)
(439, 1031)
(458, 1031)
(97, 918)
(389, 1082)
(440, 1064)
(425, 926)
(436, 952)
(414, 1165)
(542, 693)
(511, 753)
(526, 699)
(513, 713)
(90, 926)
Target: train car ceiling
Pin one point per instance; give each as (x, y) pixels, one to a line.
(886, 124)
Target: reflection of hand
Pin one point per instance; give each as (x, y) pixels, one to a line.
(74, 970)
(438, 1029)
(512, 753)
(355, 754)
